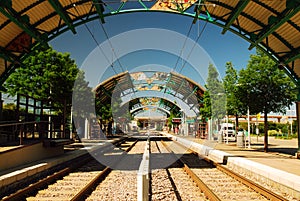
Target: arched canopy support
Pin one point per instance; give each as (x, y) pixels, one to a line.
(170, 89)
(139, 110)
(277, 35)
(273, 26)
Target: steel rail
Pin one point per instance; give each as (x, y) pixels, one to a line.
(201, 185)
(19, 195)
(254, 186)
(80, 161)
(81, 195)
(88, 188)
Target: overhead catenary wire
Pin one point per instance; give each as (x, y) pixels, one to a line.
(195, 43)
(183, 46)
(111, 46)
(188, 56)
(117, 59)
(181, 52)
(98, 45)
(95, 40)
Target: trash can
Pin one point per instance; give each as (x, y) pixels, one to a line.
(220, 137)
(240, 139)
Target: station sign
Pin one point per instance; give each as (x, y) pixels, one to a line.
(190, 121)
(176, 120)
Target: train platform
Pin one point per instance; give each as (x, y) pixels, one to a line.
(19, 172)
(279, 167)
(281, 154)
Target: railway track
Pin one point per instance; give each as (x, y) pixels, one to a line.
(219, 183)
(121, 183)
(71, 183)
(188, 178)
(171, 183)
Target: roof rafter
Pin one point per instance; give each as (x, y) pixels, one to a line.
(8, 56)
(100, 9)
(197, 10)
(235, 13)
(275, 23)
(191, 93)
(293, 56)
(21, 21)
(63, 15)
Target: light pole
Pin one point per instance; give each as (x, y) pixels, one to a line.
(249, 138)
(226, 127)
(248, 115)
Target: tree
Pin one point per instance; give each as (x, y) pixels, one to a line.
(205, 111)
(214, 99)
(48, 75)
(233, 105)
(216, 106)
(263, 87)
(83, 100)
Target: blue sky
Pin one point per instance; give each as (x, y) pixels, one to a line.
(215, 47)
(220, 48)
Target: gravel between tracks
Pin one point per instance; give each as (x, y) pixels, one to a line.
(269, 185)
(70, 185)
(225, 187)
(120, 185)
(187, 189)
(117, 186)
(161, 186)
(172, 183)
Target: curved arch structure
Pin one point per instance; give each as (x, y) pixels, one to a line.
(272, 25)
(167, 91)
(142, 108)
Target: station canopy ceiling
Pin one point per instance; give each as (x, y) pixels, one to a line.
(164, 92)
(273, 25)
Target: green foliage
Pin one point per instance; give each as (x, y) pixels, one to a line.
(274, 129)
(215, 99)
(83, 97)
(233, 104)
(10, 106)
(205, 111)
(139, 124)
(170, 118)
(113, 110)
(272, 132)
(103, 110)
(264, 87)
(46, 74)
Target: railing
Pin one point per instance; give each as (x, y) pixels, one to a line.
(14, 130)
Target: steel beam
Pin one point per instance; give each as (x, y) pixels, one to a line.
(100, 9)
(293, 56)
(235, 13)
(8, 56)
(63, 15)
(273, 26)
(21, 21)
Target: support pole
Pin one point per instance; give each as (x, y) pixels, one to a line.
(248, 121)
(1, 106)
(298, 127)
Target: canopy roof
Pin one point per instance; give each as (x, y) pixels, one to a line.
(272, 25)
(166, 91)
